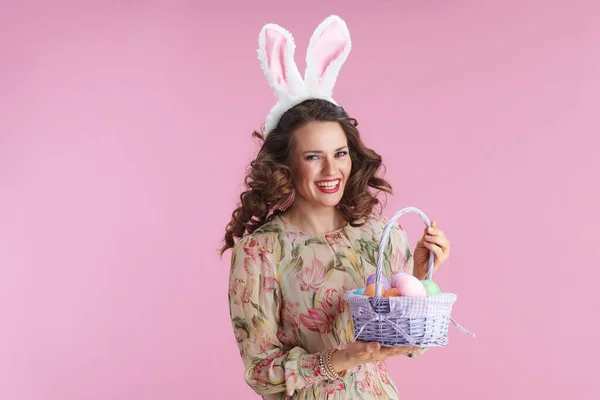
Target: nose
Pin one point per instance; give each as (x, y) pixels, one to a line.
(329, 166)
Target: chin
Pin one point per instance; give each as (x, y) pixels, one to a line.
(331, 202)
(319, 199)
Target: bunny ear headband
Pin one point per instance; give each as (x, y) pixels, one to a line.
(328, 48)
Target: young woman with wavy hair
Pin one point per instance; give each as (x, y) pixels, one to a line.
(304, 233)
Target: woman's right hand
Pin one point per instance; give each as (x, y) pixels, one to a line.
(357, 353)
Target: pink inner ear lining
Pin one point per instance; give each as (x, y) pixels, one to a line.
(330, 45)
(275, 49)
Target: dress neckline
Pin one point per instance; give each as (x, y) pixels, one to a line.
(290, 225)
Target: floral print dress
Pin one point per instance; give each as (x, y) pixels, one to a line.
(286, 302)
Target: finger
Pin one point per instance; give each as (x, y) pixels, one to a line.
(400, 349)
(358, 348)
(405, 350)
(388, 351)
(411, 351)
(439, 240)
(437, 250)
(391, 351)
(434, 230)
(373, 347)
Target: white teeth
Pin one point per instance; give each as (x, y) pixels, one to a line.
(328, 185)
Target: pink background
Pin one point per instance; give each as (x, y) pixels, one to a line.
(124, 135)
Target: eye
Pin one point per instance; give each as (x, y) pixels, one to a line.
(341, 153)
(311, 157)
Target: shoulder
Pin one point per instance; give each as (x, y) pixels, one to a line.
(254, 255)
(262, 243)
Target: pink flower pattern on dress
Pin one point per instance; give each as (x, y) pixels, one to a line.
(317, 320)
(258, 249)
(290, 314)
(296, 236)
(312, 276)
(270, 284)
(241, 291)
(335, 239)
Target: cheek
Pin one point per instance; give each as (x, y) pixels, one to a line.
(303, 173)
(347, 167)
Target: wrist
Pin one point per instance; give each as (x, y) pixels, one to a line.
(326, 368)
(340, 360)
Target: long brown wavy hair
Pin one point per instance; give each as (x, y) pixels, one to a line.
(268, 181)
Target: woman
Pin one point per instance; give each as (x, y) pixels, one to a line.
(308, 233)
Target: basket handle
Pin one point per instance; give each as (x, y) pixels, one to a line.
(383, 243)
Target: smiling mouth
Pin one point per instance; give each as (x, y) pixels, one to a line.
(328, 184)
(331, 186)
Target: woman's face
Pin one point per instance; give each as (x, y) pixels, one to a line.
(320, 163)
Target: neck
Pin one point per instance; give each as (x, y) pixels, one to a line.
(314, 220)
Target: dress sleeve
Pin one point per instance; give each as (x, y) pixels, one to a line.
(401, 261)
(254, 304)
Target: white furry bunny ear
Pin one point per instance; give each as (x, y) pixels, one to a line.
(328, 48)
(327, 51)
(276, 54)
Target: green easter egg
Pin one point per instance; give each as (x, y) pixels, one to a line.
(360, 291)
(431, 287)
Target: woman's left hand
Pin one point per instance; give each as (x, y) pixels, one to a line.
(433, 239)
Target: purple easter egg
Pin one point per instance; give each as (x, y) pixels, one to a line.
(373, 278)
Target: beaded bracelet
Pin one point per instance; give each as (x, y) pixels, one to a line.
(329, 365)
(323, 368)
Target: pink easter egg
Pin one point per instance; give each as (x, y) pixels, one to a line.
(395, 278)
(408, 285)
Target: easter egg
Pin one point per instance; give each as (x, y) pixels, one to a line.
(431, 287)
(408, 285)
(373, 278)
(395, 278)
(393, 292)
(370, 290)
(360, 291)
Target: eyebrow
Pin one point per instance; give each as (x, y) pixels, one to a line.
(319, 151)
